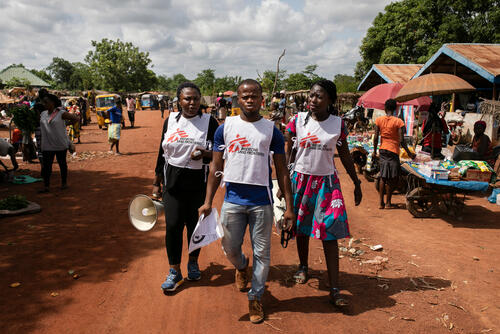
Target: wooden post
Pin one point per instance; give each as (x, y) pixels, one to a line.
(277, 72)
(453, 96)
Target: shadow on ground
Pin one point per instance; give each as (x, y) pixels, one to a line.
(84, 228)
(365, 292)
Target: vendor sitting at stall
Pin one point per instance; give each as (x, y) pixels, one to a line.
(481, 143)
(432, 129)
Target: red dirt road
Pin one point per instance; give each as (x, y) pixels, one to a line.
(442, 275)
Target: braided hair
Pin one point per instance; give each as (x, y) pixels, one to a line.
(183, 85)
(331, 90)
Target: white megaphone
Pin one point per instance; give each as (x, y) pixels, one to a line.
(143, 212)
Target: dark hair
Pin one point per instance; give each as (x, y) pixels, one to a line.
(390, 105)
(38, 107)
(42, 93)
(250, 82)
(331, 90)
(433, 119)
(52, 98)
(183, 85)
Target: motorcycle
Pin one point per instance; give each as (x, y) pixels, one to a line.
(355, 119)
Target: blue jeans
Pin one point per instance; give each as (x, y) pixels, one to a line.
(259, 218)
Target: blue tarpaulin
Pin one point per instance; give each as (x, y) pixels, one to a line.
(464, 185)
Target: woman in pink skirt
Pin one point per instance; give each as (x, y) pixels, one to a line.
(321, 213)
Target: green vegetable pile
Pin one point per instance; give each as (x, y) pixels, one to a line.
(25, 118)
(14, 202)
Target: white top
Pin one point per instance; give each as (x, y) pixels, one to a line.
(4, 147)
(54, 136)
(316, 143)
(247, 151)
(182, 137)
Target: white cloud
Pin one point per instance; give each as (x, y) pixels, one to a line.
(234, 37)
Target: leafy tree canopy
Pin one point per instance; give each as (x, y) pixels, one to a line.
(61, 70)
(205, 80)
(345, 83)
(120, 66)
(267, 81)
(411, 31)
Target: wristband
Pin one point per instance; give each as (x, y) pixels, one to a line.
(156, 184)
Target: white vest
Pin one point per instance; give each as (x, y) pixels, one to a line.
(182, 137)
(316, 143)
(246, 151)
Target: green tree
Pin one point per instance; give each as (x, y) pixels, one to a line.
(297, 81)
(205, 80)
(42, 74)
(177, 79)
(411, 31)
(164, 83)
(345, 83)
(81, 78)
(309, 72)
(61, 70)
(120, 66)
(267, 80)
(227, 83)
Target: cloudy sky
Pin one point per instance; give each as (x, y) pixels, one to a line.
(234, 37)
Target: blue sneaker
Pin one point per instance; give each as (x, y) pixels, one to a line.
(173, 281)
(194, 273)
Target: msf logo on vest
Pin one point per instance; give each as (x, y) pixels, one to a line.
(238, 144)
(176, 136)
(309, 141)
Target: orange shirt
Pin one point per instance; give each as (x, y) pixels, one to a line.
(389, 132)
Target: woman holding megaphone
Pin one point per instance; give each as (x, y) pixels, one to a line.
(181, 167)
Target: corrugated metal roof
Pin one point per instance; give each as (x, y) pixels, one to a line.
(388, 73)
(399, 72)
(22, 73)
(479, 64)
(485, 55)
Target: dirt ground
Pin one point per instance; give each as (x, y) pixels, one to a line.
(441, 274)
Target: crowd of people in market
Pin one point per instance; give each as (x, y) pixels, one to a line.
(197, 152)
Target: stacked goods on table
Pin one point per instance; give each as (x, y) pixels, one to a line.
(474, 170)
(465, 170)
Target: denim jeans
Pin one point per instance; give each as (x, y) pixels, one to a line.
(259, 218)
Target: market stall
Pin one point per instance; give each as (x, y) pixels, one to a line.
(442, 185)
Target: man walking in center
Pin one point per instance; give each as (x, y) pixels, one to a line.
(131, 110)
(244, 142)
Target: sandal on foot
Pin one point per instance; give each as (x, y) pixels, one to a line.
(336, 299)
(301, 276)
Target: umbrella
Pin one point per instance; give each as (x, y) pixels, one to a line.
(228, 93)
(376, 97)
(433, 84)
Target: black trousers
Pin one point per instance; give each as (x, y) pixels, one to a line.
(48, 159)
(181, 209)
